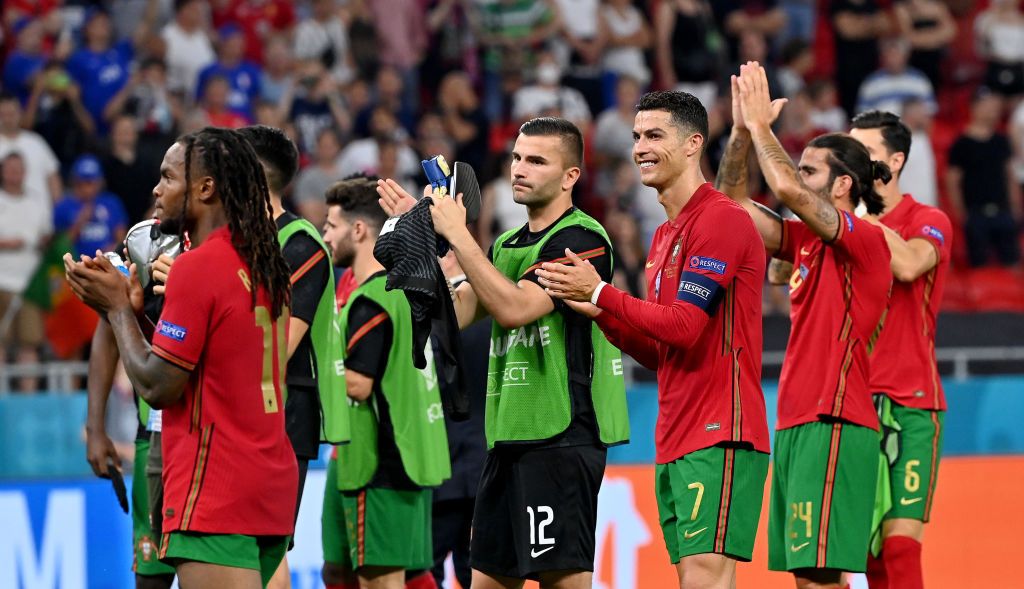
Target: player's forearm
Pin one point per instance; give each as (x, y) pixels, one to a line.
(297, 329)
(103, 358)
(677, 325)
(642, 348)
(147, 372)
(732, 171)
(908, 263)
(779, 271)
(784, 180)
(501, 297)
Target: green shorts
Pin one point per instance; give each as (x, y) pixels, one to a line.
(260, 553)
(388, 528)
(823, 494)
(710, 501)
(913, 476)
(147, 557)
(332, 524)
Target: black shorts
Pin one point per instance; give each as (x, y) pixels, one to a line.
(536, 510)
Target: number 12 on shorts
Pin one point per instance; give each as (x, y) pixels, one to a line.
(537, 528)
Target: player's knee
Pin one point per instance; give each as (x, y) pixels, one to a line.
(706, 571)
(911, 528)
(574, 579)
(818, 578)
(153, 581)
(337, 575)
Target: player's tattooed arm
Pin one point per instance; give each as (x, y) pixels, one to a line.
(732, 181)
(157, 381)
(779, 271)
(784, 179)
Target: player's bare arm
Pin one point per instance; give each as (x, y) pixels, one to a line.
(911, 258)
(512, 304)
(778, 169)
(733, 172)
(103, 356)
(358, 386)
(98, 284)
(779, 271)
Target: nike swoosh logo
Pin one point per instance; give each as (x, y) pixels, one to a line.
(800, 547)
(536, 553)
(650, 264)
(804, 252)
(687, 534)
(905, 501)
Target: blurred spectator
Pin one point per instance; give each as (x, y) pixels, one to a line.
(548, 96)
(796, 63)
(402, 39)
(388, 92)
(243, 76)
(464, 119)
(580, 48)
(629, 36)
(613, 134)
(130, 174)
(25, 226)
(630, 255)
(101, 67)
(362, 39)
(322, 36)
(56, 112)
(826, 113)
(314, 180)
(26, 60)
(42, 170)
(362, 156)
(801, 20)
(188, 48)
(389, 161)
(313, 104)
(508, 33)
(930, 28)
(258, 19)
(148, 98)
(999, 33)
(93, 218)
(919, 176)
(754, 47)
(737, 17)
(1016, 130)
(499, 211)
(982, 187)
(451, 46)
(896, 82)
(689, 49)
(215, 104)
(858, 24)
(797, 125)
(278, 70)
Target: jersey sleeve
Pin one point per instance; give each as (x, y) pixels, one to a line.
(309, 268)
(934, 227)
(859, 240)
(368, 339)
(184, 323)
(584, 243)
(794, 234)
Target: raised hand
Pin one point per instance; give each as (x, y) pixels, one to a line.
(393, 198)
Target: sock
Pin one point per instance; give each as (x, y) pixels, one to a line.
(422, 581)
(902, 556)
(877, 579)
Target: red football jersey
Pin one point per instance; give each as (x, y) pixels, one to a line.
(228, 465)
(903, 360)
(705, 273)
(838, 293)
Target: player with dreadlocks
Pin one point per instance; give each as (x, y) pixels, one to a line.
(216, 364)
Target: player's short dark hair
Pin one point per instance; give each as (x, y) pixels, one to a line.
(572, 139)
(8, 97)
(688, 114)
(895, 134)
(849, 157)
(277, 153)
(357, 196)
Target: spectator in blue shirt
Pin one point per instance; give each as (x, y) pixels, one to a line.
(243, 76)
(93, 218)
(26, 60)
(895, 83)
(101, 67)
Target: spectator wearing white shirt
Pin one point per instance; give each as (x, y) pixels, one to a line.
(25, 227)
(628, 36)
(999, 33)
(188, 46)
(314, 180)
(918, 176)
(549, 97)
(323, 36)
(895, 83)
(613, 133)
(42, 170)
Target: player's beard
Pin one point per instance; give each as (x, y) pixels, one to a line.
(170, 226)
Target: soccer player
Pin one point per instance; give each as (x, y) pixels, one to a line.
(555, 393)
(904, 376)
(150, 573)
(216, 365)
(826, 446)
(314, 344)
(700, 328)
(399, 447)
